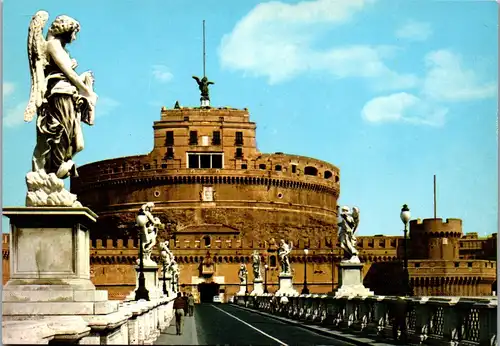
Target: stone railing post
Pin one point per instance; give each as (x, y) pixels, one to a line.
(422, 321)
(487, 322)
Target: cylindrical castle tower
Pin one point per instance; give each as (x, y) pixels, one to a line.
(434, 239)
(206, 171)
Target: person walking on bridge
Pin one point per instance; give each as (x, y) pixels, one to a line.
(191, 305)
(180, 305)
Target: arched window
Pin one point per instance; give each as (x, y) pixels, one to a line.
(309, 170)
(277, 168)
(207, 240)
(328, 174)
(272, 261)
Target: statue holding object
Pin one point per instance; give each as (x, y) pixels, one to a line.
(62, 100)
(148, 230)
(256, 264)
(284, 257)
(348, 224)
(242, 274)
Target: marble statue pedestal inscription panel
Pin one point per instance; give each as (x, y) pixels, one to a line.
(151, 280)
(242, 291)
(351, 280)
(50, 264)
(286, 286)
(50, 246)
(258, 288)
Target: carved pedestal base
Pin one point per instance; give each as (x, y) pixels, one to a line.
(152, 282)
(242, 291)
(205, 102)
(286, 286)
(50, 264)
(258, 288)
(351, 280)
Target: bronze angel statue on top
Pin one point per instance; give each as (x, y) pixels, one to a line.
(62, 100)
(203, 85)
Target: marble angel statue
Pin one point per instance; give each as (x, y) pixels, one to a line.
(148, 228)
(167, 257)
(256, 264)
(348, 223)
(283, 254)
(242, 274)
(174, 270)
(62, 100)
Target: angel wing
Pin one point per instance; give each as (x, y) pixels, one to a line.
(197, 79)
(355, 216)
(290, 246)
(37, 60)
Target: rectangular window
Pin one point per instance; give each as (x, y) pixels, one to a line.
(239, 153)
(194, 161)
(169, 141)
(170, 153)
(239, 138)
(193, 137)
(216, 161)
(204, 141)
(205, 160)
(294, 168)
(216, 138)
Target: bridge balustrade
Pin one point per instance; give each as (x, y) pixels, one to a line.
(428, 320)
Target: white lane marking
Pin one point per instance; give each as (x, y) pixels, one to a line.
(260, 331)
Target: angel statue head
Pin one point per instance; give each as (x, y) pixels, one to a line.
(65, 28)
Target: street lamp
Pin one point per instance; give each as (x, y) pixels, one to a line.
(305, 290)
(265, 278)
(141, 292)
(246, 281)
(405, 217)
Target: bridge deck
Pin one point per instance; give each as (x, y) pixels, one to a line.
(229, 324)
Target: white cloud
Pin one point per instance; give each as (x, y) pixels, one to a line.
(105, 105)
(275, 40)
(414, 31)
(403, 107)
(7, 89)
(14, 116)
(162, 74)
(448, 80)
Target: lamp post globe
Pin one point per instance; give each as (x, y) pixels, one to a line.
(405, 215)
(405, 218)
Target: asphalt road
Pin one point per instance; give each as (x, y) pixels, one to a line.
(227, 324)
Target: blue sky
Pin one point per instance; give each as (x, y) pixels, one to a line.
(392, 92)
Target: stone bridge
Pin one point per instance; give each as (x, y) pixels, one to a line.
(281, 320)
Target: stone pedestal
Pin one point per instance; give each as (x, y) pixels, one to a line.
(286, 286)
(351, 280)
(50, 264)
(204, 102)
(242, 291)
(168, 284)
(151, 282)
(258, 288)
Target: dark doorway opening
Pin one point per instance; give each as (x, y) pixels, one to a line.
(208, 291)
